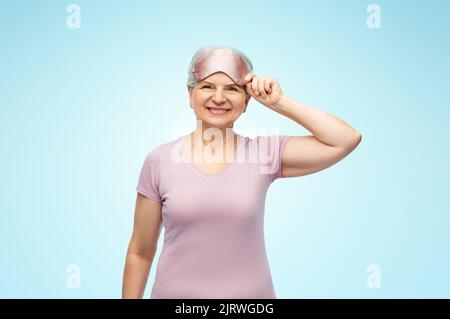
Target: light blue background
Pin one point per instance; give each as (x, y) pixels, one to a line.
(81, 108)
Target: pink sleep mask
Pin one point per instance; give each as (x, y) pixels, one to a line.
(221, 60)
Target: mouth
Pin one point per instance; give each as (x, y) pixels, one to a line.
(218, 110)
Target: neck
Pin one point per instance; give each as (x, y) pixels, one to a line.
(208, 134)
(210, 139)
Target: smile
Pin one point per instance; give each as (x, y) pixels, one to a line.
(218, 111)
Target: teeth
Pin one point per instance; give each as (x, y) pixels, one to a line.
(217, 111)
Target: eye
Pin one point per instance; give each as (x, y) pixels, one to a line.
(234, 88)
(205, 86)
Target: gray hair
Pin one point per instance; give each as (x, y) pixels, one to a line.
(191, 79)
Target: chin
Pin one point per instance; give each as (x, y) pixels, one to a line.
(217, 122)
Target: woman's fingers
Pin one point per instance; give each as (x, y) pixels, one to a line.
(252, 82)
(267, 86)
(255, 85)
(261, 87)
(249, 76)
(249, 89)
(275, 85)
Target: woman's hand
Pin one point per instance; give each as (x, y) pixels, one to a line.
(266, 91)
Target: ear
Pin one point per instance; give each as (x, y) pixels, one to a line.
(190, 89)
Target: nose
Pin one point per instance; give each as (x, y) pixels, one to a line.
(218, 96)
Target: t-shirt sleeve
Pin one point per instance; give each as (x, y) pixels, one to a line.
(149, 177)
(274, 146)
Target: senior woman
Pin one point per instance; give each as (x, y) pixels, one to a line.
(208, 188)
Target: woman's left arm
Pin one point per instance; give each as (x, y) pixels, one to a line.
(332, 139)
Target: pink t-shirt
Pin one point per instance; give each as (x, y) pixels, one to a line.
(213, 224)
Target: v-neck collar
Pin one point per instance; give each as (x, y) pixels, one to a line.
(241, 143)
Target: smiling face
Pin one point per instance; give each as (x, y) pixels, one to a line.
(218, 101)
